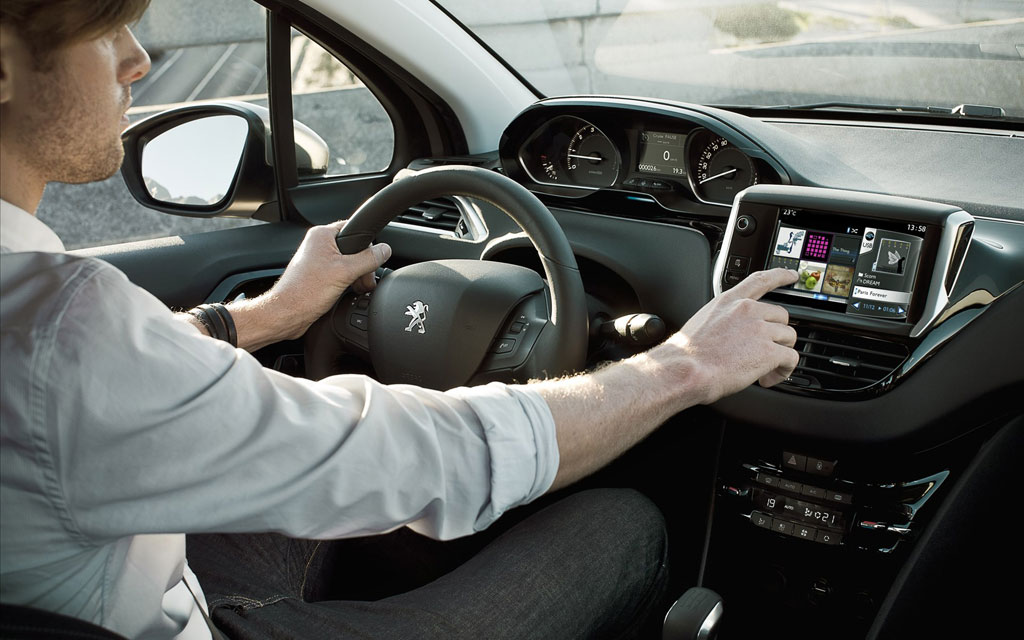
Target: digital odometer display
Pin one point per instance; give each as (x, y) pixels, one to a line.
(853, 265)
(662, 152)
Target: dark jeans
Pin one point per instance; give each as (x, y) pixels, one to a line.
(592, 565)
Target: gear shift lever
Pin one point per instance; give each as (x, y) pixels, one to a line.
(695, 615)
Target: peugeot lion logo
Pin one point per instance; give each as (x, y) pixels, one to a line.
(418, 312)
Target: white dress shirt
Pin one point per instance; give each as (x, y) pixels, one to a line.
(124, 428)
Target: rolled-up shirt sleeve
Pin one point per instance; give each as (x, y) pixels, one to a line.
(157, 429)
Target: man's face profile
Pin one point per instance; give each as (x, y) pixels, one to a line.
(63, 113)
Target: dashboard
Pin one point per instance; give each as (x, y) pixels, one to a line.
(908, 238)
(817, 196)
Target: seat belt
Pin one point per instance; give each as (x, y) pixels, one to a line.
(214, 632)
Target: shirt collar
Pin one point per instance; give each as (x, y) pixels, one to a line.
(21, 231)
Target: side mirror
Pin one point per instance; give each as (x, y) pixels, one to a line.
(212, 159)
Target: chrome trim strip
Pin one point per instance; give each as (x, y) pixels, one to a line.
(689, 173)
(710, 622)
(471, 213)
(938, 298)
(991, 219)
(723, 254)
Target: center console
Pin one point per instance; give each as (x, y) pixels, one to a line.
(808, 541)
(808, 535)
(874, 275)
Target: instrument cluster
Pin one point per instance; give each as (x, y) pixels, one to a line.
(666, 160)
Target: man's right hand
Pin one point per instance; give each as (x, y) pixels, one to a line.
(732, 342)
(736, 339)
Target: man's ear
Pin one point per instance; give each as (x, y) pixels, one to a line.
(6, 63)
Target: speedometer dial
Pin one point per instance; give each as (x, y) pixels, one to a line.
(590, 158)
(720, 171)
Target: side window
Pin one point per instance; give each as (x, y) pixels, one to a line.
(204, 50)
(329, 99)
(200, 50)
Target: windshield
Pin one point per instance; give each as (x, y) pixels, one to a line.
(923, 53)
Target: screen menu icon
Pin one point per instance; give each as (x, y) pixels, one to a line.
(885, 273)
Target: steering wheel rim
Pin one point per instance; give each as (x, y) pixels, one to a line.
(557, 347)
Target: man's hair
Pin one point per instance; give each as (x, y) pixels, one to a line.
(48, 25)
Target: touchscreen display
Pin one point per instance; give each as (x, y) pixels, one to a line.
(849, 264)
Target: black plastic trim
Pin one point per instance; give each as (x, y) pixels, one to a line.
(520, 77)
(253, 183)
(279, 99)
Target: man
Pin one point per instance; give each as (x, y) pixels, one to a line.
(124, 426)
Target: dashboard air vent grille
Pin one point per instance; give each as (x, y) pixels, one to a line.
(836, 361)
(441, 214)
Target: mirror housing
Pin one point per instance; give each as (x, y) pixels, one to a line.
(252, 190)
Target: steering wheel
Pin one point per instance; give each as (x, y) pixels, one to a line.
(446, 323)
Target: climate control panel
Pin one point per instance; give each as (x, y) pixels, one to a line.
(804, 498)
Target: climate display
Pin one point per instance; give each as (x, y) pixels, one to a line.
(850, 264)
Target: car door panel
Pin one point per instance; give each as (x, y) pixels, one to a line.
(183, 270)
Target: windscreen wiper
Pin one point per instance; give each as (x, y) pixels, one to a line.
(963, 110)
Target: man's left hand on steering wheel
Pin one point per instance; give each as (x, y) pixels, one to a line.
(317, 275)
(472, 321)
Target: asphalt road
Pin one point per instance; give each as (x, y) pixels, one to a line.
(203, 73)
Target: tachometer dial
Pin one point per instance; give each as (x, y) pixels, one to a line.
(721, 171)
(591, 159)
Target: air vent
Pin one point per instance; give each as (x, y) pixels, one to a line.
(441, 214)
(835, 361)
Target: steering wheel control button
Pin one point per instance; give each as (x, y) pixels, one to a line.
(516, 327)
(794, 461)
(362, 303)
(359, 321)
(505, 345)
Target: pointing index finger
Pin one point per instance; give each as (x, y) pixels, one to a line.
(761, 282)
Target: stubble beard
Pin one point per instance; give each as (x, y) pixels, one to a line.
(66, 137)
